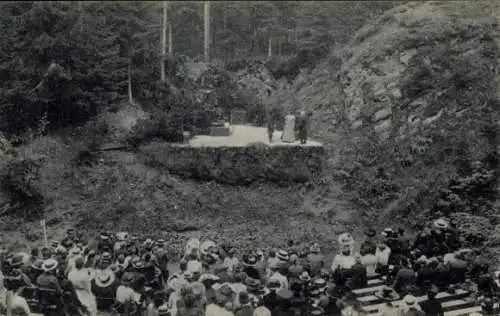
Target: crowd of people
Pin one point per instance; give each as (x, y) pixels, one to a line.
(124, 275)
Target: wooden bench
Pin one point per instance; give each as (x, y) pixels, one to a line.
(373, 304)
(464, 312)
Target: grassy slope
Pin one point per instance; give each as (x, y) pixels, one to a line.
(120, 192)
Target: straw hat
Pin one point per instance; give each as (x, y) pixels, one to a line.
(387, 232)
(283, 255)
(315, 248)
(345, 239)
(441, 224)
(75, 252)
(320, 284)
(305, 277)
(50, 265)
(122, 236)
(410, 300)
(105, 278)
(17, 260)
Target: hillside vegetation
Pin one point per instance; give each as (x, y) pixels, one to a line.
(79, 76)
(407, 107)
(410, 112)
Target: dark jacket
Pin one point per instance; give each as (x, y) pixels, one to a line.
(246, 310)
(432, 307)
(271, 301)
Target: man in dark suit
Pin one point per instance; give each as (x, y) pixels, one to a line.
(302, 122)
(432, 307)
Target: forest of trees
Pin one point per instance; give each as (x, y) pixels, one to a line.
(63, 62)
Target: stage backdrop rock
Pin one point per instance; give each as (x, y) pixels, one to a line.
(237, 165)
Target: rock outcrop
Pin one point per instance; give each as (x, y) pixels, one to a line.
(414, 98)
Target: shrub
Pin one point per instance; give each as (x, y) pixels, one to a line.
(19, 181)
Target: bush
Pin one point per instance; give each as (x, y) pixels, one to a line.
(168, 127)
(19, 181)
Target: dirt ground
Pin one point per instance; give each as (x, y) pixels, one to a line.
(242, 135)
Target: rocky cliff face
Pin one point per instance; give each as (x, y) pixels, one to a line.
(411, 106)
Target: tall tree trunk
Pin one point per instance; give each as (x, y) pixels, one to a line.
(269, 47)
(170, 43)
(207, 31)
(163, 41)
(129, 80)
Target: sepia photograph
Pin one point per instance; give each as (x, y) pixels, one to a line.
(249, 158)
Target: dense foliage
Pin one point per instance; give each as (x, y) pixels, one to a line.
(63, 62)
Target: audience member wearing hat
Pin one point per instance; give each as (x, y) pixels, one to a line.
(283, 255)
(125, 291)
(369, 246)
(409, 303)
(262, 311)
(346, 239)
(344, 260)
(250, 267)
(315, 261)
(441, 224)
(17, 278)
(271, 300)
(244, 304)
(48, 279)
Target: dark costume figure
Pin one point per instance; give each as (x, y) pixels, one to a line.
(302, 124)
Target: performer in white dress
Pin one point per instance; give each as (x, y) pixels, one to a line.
(81, 280)
(289, 129)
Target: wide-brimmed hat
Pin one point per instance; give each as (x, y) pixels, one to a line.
(410, 300)
(320, 284)
(249, 261)
(138, 264)
(122, 236)
(387, 232)
(252, 284)
(315, 248)
(105, 278)
(188, 275)
(316, 311)
(160, 242)
(75, 251)
(283, 255)
(50, 265)
(106, 256)
(345, 239)
(371, 232)
(17, 260)
(37, 264)
(305, 277)
(209, 277)
(441, 224)
(274, 284)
